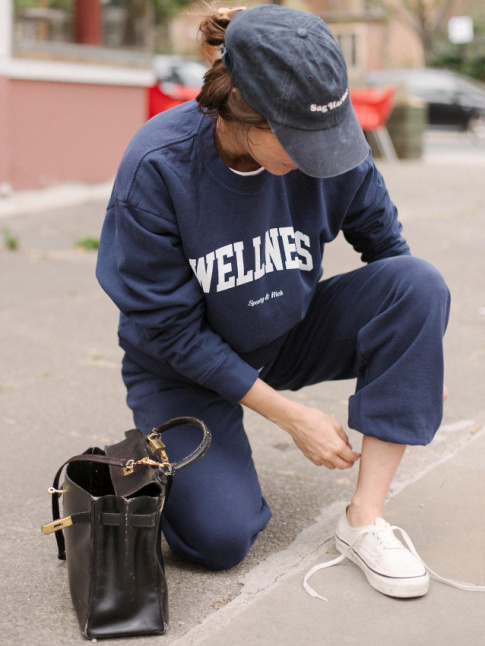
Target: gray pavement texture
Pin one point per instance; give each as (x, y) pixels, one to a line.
(61, 391)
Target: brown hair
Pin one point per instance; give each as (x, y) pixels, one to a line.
(219, 97)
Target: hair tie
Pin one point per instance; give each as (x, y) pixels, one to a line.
(225, 11)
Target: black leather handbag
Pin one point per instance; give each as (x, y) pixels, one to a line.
(112, 505)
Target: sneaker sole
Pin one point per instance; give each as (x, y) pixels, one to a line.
(390, 586)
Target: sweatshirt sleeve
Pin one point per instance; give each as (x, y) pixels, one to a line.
(142, 267)
(371, 223)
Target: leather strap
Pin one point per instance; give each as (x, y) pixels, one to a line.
(136, 520)
(199, 451)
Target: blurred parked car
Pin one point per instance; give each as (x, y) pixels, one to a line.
(453, 100)
(179, 79)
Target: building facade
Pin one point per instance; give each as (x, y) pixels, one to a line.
(73, 89)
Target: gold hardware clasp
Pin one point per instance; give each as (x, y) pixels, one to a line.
(55, 526)
(154, 440)
(52, 491)
(128, 470)
(152, 463)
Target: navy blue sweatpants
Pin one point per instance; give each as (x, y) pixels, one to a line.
(383, 324)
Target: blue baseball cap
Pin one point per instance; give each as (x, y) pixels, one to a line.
(289, 67)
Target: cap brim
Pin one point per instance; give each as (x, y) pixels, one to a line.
(325, 153)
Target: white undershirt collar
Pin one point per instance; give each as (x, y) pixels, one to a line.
(248, 173)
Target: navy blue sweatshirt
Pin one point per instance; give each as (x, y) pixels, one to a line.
(211, 269)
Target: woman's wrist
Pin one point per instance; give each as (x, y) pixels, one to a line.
(273, 405)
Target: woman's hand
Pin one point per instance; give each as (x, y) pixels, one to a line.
(320, 437)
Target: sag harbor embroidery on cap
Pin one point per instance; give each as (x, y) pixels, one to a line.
(329, 106)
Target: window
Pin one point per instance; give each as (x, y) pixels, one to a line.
(352, 38)
(95, 30)
(348, 44)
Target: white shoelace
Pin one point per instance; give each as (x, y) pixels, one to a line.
(461, 585)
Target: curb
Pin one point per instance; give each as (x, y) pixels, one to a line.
(53, 197)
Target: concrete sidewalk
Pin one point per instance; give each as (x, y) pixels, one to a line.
(444, 513)
(61, 391)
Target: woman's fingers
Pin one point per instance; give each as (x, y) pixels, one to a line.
(339, 457)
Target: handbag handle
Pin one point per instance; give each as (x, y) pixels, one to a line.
(199, 451)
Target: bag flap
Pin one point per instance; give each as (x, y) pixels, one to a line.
(134, 447)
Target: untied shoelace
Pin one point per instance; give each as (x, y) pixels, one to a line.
(461, 585)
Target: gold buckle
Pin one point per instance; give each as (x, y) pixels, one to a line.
(155, 441)
(55, 526)
(128, 470)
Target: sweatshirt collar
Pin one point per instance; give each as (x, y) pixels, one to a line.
(213, 162)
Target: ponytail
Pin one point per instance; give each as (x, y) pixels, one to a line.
(219, 98)
(213, 27)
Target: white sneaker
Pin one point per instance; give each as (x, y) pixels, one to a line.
(389, 567)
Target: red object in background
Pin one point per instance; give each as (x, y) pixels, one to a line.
(165, 95)
(87, 21)
(372, 106)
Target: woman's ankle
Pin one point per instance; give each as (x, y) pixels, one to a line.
(360, 514)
